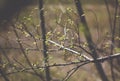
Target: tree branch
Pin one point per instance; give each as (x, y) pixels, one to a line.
(68, 49)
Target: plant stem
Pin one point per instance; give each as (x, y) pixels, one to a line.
(89, 40)
(43, 31)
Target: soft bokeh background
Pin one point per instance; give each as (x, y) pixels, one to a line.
(63, 27)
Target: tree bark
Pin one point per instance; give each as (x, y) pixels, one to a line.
(89, 40)
(43, 30)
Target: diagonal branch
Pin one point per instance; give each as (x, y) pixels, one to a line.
(101, 59)
(68, 49)
(89, 40)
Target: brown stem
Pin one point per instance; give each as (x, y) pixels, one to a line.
(89, 40)
(43, 30)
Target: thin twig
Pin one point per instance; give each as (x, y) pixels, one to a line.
(25, 55)
(79, 64)
(113, 39)
(101, 59)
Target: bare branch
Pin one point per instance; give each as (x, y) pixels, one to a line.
(73, 70)
(68, 49)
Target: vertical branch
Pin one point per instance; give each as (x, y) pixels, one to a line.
(109, 14)
(119, 25)
(113, 39)
(89, 40)
(43, 31)
(114, 27)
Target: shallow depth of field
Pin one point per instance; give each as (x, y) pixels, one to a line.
(23, 39)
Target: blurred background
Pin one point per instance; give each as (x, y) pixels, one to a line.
(21, 49)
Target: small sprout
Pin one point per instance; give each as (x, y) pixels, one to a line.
(67, 30)
(29, 19)
(17, 39)
(81, 58)
(50, 57)
(37, 25)
(36, 8)
(117, 38)
(26, 34)
(41, 69)
(71, 46)
(34, 65)
(49, 33)
(46, 42)
(4, 65)
(14, 65)
(117, 50)
(107, 45)
(83, 15)
(85, 44)
(70, 21)
(37, 63)
(73, 38)
(62, 38)
(47, 52)
(69, 9)
(34, 43)
(19, 26)
(37, 37)
(117, 16)
(26, 49)
(58, 33)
